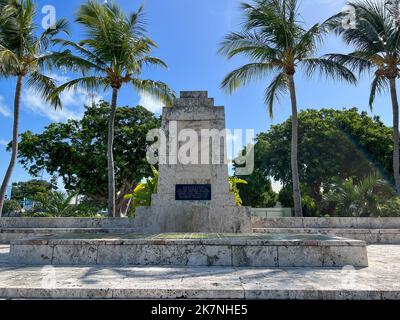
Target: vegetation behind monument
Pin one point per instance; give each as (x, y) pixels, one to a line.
(76, 152)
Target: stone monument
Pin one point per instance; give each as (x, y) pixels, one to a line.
(193, 189)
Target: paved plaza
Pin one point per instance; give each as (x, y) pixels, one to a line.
(381, 280)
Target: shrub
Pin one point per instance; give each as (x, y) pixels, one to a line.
(391, 208)
(11, 207)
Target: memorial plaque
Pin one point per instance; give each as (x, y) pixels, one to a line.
(194, 192)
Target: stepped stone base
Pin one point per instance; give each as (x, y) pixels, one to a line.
(252, 250)
(197, 219)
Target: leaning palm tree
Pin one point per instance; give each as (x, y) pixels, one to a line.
(376, 38)
(113, 54)
(24, 55)
(277, 42)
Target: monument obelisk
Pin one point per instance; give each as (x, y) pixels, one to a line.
(193, 191)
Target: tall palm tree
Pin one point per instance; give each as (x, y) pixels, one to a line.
(113, 54)
(276, 41)
(24, 55)
(376, 39)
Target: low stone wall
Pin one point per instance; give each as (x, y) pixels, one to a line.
(215, 250)
(104, 223)
(332, 223)
(370, 230)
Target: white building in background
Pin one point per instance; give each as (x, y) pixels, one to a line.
(9, 193)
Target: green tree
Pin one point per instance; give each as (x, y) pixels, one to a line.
(31, 189)
(335, 144)
(276, 41)
(112, 55)
(76, 152)
(376, 39)
(24, 55)
(257, 192)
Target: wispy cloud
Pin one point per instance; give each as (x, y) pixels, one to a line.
(150, 103)
(3, 142)
(73, 103)
(4, 109)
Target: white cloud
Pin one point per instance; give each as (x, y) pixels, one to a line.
(150, 103)
(4, 109)
(3, 142)
(73, 103)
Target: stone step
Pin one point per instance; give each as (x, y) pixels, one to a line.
(333, 223)
(370, 236)
(225, 250)
(9, 234)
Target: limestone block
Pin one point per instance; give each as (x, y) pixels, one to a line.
(323, 256)
(255, 256)
(74, 254)
(31, 255)
(209, 255)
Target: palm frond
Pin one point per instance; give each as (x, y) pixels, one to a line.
(245, 74)
(357, 61)
(378, 86)
(273, 92)
(46, 87)
(329, 69)
(156, 89)
(83, 51)
(61, 26)
(152, 61)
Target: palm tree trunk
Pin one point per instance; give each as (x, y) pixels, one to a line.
(14, 151)
(395, 105)
(110, 155)
(294, 150)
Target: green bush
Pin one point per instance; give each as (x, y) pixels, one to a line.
(58, 204)
(361, 199)
(11, 207)
(391, 208)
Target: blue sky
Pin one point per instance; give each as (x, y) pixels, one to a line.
(188, 33)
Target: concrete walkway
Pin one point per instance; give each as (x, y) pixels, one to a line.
(381, 280)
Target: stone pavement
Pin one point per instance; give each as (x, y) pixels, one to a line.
(381, 280)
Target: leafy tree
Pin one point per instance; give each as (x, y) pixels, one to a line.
(24, 55)
(335, 144)
(11, 207)
(276, 41)
(76, 152)
(257, 191)
(376, 39)
(113, 54)
(361, 199)
(30, 189)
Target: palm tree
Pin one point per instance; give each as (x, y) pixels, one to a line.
(361, 199)
(23, 54)
(376, 39)
(276, 42)
(113, 54)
